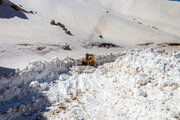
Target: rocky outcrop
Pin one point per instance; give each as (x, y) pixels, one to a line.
(1, 1)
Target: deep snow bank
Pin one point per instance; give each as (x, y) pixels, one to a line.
(140, 84)
(150, 83)
(37, 76)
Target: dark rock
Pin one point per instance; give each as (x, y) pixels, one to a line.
(53, 22)
(31, 12)
(40, 48)
(101, 36)
(15, 7)
(145, 44)
(1, 1)
(69, 33)
(67, 47)
(64, 29)
(61, 25)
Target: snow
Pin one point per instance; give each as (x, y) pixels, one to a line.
(131, 82)
(127, 23)
(123, 89)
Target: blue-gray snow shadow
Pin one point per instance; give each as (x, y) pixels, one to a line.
(5, 72)
(30, 106)
(7, 12)
(26, 103)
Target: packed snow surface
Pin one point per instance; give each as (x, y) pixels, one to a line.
(139, 84)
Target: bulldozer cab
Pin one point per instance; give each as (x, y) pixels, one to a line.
(89, 60)
(89, 56)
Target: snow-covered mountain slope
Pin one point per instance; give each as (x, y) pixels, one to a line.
(118, 25)
(139, 84)
(123, 22)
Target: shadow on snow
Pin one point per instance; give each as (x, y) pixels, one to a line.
(4, 72)
(18, 100)
(7, 12)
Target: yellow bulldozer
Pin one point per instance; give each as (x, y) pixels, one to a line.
(89, 60)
